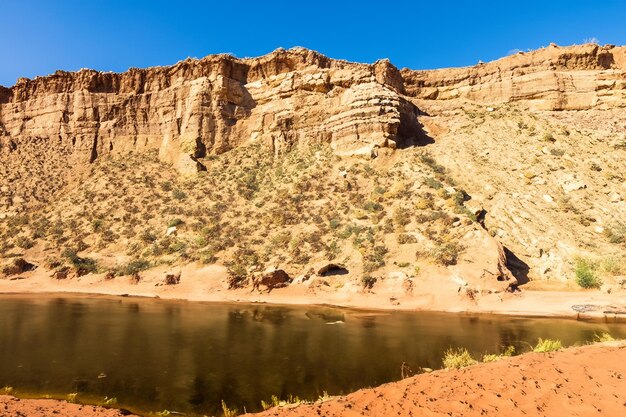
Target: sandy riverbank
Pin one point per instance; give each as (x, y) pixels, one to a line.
(574, 382)
(15, 407)
(583, 381)
(208, 284)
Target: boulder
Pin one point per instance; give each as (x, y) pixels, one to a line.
(272, 279)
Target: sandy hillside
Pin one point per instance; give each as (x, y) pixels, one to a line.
(343, 176)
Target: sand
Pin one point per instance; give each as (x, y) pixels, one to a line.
(429, 294)
(584, 381)
(15, 407)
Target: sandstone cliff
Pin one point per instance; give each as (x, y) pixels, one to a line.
(208, 106)
(553, 78)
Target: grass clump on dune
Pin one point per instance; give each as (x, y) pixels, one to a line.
(547, 345)
(492, 357)
(604, 337)
(457, 358)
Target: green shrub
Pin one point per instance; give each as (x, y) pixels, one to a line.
(616, 233)
(334, 223)
(148, 236)
(372, 206)
(97, 225)
(457, 358)
(612, 266)
(166, 186)
(375, 259)
(135, 266)
(82, 266)
(557, 152)
(430, 161)
(433, 183)
(24, 242)
(179, 194)
(547, 345)
(586, 275)
(401, 216)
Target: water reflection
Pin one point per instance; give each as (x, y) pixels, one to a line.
(187, 357)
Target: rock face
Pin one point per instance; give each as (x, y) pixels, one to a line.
(207, 106)
(553, 78)
(54, 124)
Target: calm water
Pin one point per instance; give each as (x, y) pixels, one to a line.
(155, 355)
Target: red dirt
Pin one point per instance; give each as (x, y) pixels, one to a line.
(585, 381)
(15, 407)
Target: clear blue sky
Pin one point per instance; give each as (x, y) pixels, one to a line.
(38, 37)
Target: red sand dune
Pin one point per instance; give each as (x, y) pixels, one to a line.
(584, 381)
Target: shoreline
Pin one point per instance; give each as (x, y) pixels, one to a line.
(487, 308)
(431, 294)
(550, 382)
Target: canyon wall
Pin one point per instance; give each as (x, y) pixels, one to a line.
(208, 106)
(286, 98)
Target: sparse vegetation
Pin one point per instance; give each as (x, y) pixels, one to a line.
(547, 345)
(249, 211)
(586, 275)
(229, 412)
(603, 337)
(368, 281)
(109, 401)
(457, 358)
(492, 357)
(276, 402)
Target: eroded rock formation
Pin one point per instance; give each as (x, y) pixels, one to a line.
(207, 106)
(552, 78)
(284, 99)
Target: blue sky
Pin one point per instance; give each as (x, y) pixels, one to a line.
(38, 37)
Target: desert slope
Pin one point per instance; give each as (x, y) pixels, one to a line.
(299, 162)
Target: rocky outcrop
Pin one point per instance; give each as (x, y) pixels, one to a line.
(552, 78)
(207, 106)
